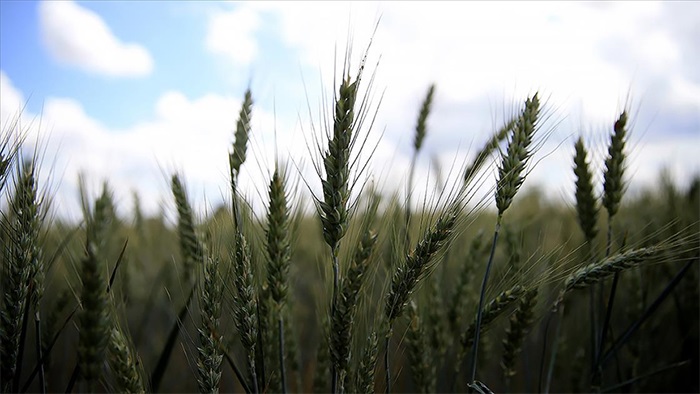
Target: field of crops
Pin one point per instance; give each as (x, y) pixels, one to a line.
(364, 292)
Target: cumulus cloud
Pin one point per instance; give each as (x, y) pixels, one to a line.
(484, 57)
(12, 101)
(232, 34)
(79, 37)
(589, 60)
(187, 135)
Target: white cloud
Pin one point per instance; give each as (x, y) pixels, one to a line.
(232, 34)
(79, 37)
(11, 103)
(484, 58)
(188, 135)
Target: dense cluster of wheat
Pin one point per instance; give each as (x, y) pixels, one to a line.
(245, 303)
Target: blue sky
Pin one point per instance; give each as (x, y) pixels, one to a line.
(132, 91)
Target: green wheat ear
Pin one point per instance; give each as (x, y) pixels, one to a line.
(125, 363)
(210, 349)
(22, 268)
(278, 239)
(336, 161)
(94, 319)
(615, 166)
(510, 172)
(421, 125)
(520, 323)
(191, 246)
(586, 206)
(238, 156)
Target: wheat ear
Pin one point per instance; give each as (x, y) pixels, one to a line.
(421, 129)
(245, 304)
(94, 319)
(490, 312)
(460, 297)
(23, 273)
(598, 271)
(336, 185)
(615, 166)
(419, 353)
(520, 323)
(586, 206)
(344, 313)
(279, 256)
(613, 188)
(191, 246)
(238, 156)
(587, 212)
(210, 349)
(125, 363)
(407, 275)
(367, 366)
(510, 178)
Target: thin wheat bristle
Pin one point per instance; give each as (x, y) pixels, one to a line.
(510, 172)
(9, 148)
(586, 205)
(124, 363)
(520, 323)
(407, 275)
(240, 145)
(421, 124)
(210, 349)
(190, 245)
